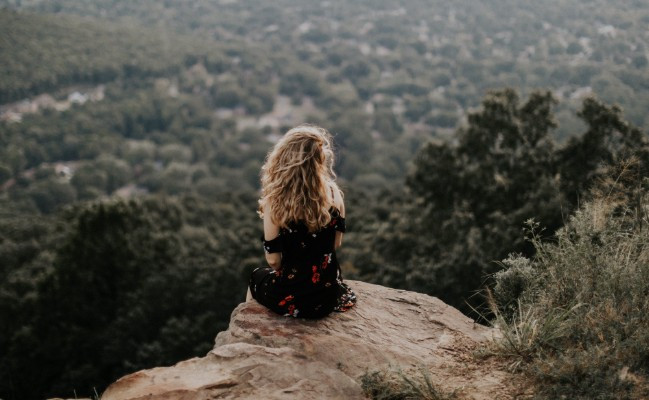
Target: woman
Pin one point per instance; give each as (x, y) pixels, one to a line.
(304, 220)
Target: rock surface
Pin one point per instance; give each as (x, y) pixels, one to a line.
(266, 356)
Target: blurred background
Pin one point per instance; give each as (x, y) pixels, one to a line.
(132, 136)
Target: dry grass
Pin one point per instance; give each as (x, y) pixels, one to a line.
(576, 317)
(395, 384)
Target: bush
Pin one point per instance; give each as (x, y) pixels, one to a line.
(516, 276)
(575, 317)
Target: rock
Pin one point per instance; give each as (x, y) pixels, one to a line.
(266, 356)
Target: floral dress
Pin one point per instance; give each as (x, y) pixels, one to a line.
(309, 283)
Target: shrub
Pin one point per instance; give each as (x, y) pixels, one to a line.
(511, 282)
(575, 317)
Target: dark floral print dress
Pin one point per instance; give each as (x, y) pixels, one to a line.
(309, 283)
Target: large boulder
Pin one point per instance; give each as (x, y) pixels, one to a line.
(266, 356)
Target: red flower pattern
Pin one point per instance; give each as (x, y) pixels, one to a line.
(291, 306)
(326, 261)
(283, 302)
(315, 278)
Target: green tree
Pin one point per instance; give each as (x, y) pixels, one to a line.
(50, 194)
(608, 140)
(468, 201)
(134, 285)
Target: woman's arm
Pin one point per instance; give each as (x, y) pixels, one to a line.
(270, 232)
(340, 204)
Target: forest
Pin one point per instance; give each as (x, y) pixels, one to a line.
(132, 136)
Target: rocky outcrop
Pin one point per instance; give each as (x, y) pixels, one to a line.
(265, 356)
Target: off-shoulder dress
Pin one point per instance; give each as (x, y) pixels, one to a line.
(309, 283)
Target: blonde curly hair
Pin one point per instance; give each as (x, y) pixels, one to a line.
(297, 176)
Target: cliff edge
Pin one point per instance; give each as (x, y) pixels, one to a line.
(265, 356)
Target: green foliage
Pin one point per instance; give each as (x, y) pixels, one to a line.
(608, 140)
(464, 50)
(66, 55)
(48, 195)
(511, 281)
(155, 131)
(300, 81)
(133, 285)
(579, 328)
(139, 139)
(468, 202)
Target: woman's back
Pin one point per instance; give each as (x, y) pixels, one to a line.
(303, 214)
(309, 283)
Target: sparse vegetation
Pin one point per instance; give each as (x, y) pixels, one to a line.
(575, 317)
(395, 384)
